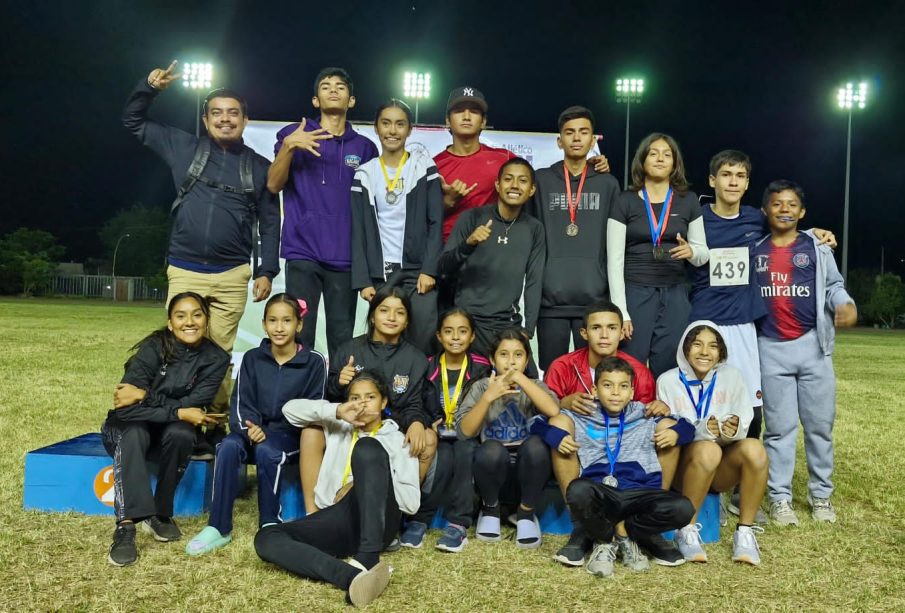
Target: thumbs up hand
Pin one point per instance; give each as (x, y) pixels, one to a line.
(683, 251)
(480, 234)
(348, 371)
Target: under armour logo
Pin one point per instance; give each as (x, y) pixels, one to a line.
(502, 240)
(468, 91)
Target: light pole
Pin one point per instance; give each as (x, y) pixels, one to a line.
(115, 250)
(197, 76)
(628, 90)
(417, 85)
(849, 99)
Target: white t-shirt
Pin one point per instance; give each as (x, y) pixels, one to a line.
(391, 217)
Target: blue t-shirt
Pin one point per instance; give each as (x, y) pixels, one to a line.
(787, 278)
(728, 305)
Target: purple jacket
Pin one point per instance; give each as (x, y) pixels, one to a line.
(317, 222)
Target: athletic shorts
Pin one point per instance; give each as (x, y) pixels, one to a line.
(741, 342)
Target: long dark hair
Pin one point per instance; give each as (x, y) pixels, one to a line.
(387, 291)
(677, 178)
(164, 335)
(394, 103)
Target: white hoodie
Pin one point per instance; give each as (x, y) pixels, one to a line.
(730, 394)
(404, 468)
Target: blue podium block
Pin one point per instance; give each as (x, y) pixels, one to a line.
(77, 475)
(292, 503)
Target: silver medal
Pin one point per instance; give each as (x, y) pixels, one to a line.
(392, 197)
(611, 481)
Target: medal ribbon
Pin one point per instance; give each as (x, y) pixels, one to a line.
(573, 207)
(611, 454)
(348, 471)
(657, 227)
(391, 185)
(702, 405)
(450, 403)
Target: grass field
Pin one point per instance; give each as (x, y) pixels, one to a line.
(59, 361)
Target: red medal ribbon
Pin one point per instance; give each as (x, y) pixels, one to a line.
(573, 206)
(658, 226)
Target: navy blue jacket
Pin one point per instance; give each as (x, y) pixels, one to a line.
(263, 387)
(211, 227)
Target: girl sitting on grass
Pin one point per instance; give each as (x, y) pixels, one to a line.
(496, 411)
(709, 393)
(367, 480)
(277, 371)
(174, 373)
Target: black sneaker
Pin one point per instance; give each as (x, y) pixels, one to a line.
(163, 529)
(661, 551)
(575, 551)
(123, 551)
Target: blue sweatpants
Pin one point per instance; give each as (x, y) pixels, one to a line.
(279, 450)
(798, 384)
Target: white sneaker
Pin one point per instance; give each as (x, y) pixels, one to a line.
(688, 540)
(601, 561)
(744, 545)
(782, 513)
(822, 509)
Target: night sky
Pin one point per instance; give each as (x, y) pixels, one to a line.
(748, 75)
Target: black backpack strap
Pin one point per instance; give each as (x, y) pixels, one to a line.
(202, 154)
(246, 175)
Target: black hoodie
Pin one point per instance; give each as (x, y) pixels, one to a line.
(402, 366)
(575, 271)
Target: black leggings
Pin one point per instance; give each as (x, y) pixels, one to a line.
(493, 469)
(365, 521)
(452, 487)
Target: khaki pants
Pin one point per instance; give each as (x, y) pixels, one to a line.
(227, 293)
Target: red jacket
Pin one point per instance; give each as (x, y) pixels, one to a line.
(570, 374)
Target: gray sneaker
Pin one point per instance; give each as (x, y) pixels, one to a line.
(688, 540)
(744, 545)
(822, 509)
(632, 557)
(602, 558)
(782, 513)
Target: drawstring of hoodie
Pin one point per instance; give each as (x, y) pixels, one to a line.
(339, 174)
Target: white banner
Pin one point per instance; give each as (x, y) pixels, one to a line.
(538, 148)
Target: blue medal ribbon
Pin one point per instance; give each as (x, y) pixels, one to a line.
(657, 227)
(613, 454)
(702, 404)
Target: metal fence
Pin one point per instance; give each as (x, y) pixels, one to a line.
(102, 286)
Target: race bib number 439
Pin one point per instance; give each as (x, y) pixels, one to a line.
(729, 266)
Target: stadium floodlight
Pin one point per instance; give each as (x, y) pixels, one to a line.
(417, 87)
(197, 76)
(628, 90)
(849, 98)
